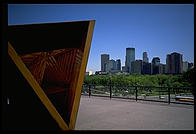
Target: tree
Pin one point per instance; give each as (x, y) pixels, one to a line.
(188, 76)
(186, 79)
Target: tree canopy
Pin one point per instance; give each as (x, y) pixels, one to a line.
(182, 80)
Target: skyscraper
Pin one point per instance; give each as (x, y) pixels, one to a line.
(156, 61)
(104, 60)
(174, 64)
(130, 56)
(155, 65)
(118, 64)
(145, 57)
(136, 66)
(110, 65)
(146, 68)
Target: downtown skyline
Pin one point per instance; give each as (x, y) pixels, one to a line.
(158, 29)
(142, 59)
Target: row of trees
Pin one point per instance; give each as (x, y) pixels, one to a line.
(182, 80)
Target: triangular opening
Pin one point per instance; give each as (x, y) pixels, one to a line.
(54, 54)
(56, 72)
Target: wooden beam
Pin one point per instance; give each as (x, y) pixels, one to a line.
(36, 87)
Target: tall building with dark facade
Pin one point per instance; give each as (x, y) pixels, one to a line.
(104, 59)
(146, 68)
(130, 57)
(110, 65)
(118, 64)
(155, 65)
(136, 66)
(145, 57)
(174, 64)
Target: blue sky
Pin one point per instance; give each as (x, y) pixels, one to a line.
(158, 29)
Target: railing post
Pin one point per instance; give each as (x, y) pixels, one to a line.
(110, 90)
(159, 93)
(169, 95)
(89, 90)
(136, 93)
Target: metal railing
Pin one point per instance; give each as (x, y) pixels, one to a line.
(181, 95)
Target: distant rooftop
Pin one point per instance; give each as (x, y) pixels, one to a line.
(130, 48)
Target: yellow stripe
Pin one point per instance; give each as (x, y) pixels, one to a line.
(36, 87)
(187, 100)
(81, 75)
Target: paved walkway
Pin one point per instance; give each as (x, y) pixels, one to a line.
(101, 113)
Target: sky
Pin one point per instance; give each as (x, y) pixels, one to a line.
(158, 29)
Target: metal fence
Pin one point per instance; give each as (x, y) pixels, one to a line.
(181, 95)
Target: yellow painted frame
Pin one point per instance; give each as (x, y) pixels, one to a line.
(39, 91)
(81, 75)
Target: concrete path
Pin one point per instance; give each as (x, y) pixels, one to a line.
(101, 113)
